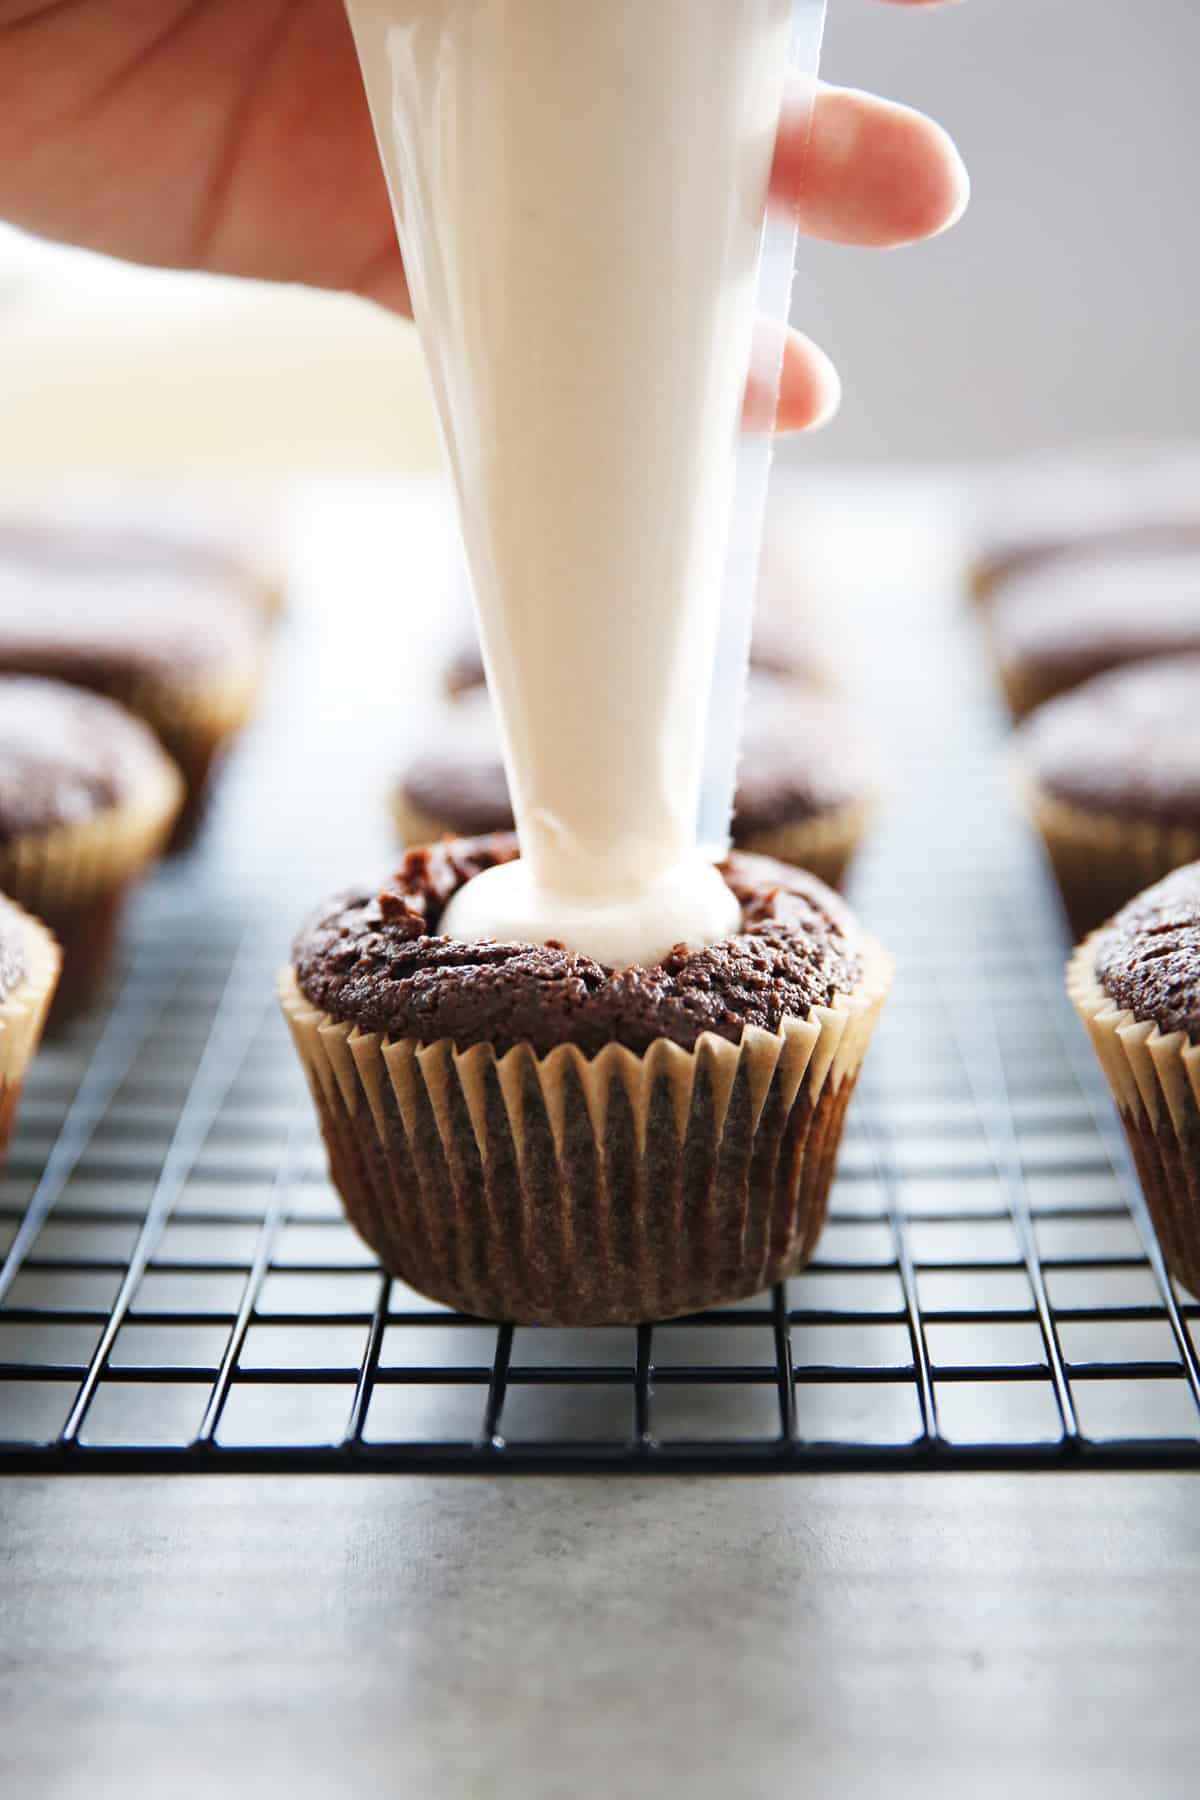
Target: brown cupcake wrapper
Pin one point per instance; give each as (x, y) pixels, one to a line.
(1101, 860)
(414, 825)
(1155, 1080)
(1022, 685)
(196, 721)
(825, 845)
(201, 711)
(1024, 689)
(570, 1190)
(76, 877)
(71, 865)
(23, 1016)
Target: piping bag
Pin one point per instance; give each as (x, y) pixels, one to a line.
(580, 190)
(754, 459)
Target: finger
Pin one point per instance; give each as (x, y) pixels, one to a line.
(867, 171)
(809, 389)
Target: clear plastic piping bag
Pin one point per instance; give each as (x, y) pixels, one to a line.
(754, 461)
(576, 186)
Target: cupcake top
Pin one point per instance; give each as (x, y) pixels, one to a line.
(376, 960)
(105, 608)
(14, 962)
(67, 755)
(1147, 959)
(1074, 618)
(803, 757)
(1054, 504)
(997, 564)
(1126, 743)
(159, 524)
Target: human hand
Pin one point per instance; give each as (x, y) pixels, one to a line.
(233, 136)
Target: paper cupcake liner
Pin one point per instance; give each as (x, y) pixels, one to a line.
(22, 1017)
(1024, 688)
(76, 877)
(825, 846)
(567, 1190)
(1099, 859)
(1155, 1080)
(414, 825)
(196, 722)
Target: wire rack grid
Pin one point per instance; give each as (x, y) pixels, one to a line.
(179, 1290)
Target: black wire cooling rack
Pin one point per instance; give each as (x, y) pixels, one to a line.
(180, 1291)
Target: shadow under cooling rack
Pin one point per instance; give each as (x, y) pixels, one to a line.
(178, 1288)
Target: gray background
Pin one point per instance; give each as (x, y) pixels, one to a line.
(1063, 307)
(1059, 312)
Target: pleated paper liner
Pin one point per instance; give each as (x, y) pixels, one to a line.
(1023, 685)
(1155, 1080)
(197, 722)
(76, 878)
(22, 1017)
(1101, 860)
(414, 825)
(563, 1190)
(825, 845)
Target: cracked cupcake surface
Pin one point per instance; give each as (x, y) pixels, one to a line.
(376, 960)
(1148, 958)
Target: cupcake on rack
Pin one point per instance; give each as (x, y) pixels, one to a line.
(159, 525)
(1136, 985)
(29, 967)
(165, 629)
(88, 799)
(1110, 775)
(526, 1134)
(807, 787)
(1048, 509)
(1061, 622)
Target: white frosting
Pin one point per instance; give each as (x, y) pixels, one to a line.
(688, 904)
(580, 187)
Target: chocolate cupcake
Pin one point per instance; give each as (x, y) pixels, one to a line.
(1110, 775)
(154, 526)
(161, 628)
(1043, 508)
(1060, 623)
(87, 801)
(1002, 562)
(29, 965)
(806, 786)
(1136, 986)
(526, 1135)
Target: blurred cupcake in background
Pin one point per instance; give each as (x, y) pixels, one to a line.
(174, 632)
(1136, 986)
(807, 786)
(88, 799)
(165, 524)
(1044, 509)
(1063, 621)
(29, 968)
(1110, 775)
